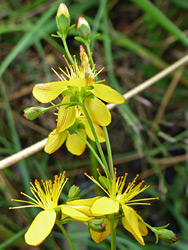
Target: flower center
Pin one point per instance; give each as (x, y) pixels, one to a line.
(78, 71)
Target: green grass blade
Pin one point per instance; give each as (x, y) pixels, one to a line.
(124, 109)
(125, 42)
(152, 10)
(10, 241)
(27, 39)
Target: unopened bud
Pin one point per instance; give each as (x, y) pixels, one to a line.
(83, 28)
(33, 112)
(97, 225)
(81, 21)
(63, 19)
(167, 236)
(63, 10)
(73, 193)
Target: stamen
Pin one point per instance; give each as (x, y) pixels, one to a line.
(64, 57)
(22, 207)
(98, 184)
(57, 74)
(66, 74)
(96, 74)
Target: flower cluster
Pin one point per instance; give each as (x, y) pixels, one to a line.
(96, 211)
(81, 111)
(80, 95)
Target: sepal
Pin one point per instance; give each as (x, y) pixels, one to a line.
(79, 39)
(97, 225)
(73, 193)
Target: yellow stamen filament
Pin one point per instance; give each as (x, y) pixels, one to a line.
(57, 74)
(96, 182)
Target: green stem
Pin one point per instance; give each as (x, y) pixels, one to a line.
(92, 150)
(150, 227)
(96, 138)
(93, 161)
(155, 231)
(89, 53)
(65, 233)
(62, 104)
(113, 233)
(63, 38)
(94, 164)
(108, 146)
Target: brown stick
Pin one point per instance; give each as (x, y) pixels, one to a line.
(22, 154)
(167, 96)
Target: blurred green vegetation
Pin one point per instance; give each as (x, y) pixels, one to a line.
(149, 134)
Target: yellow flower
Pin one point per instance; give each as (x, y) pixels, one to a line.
(46, 197)
(74, 143)
(119, 201)
(80, 80)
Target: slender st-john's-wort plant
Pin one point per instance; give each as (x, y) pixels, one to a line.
(81, 113)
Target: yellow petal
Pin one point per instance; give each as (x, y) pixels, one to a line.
(86, 202)
(83, 205)
(104, 206)
(40, 227)
(66, 116)
(80, 82)
(143, 229)
(73, 213)
(107, 94)
(55, 141)
(98, 111)
(98, 237)
(46, 92)
(75, 144)
(130, 223)
(98, 130)
(83, 209)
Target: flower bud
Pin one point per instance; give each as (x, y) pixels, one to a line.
(83, 28)
(97, 225)
(63, 19)
(73, 192)
(167, 236)
(63, 10)
(33, 112)
(85, 66)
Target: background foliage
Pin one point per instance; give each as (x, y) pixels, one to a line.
(148, 134)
